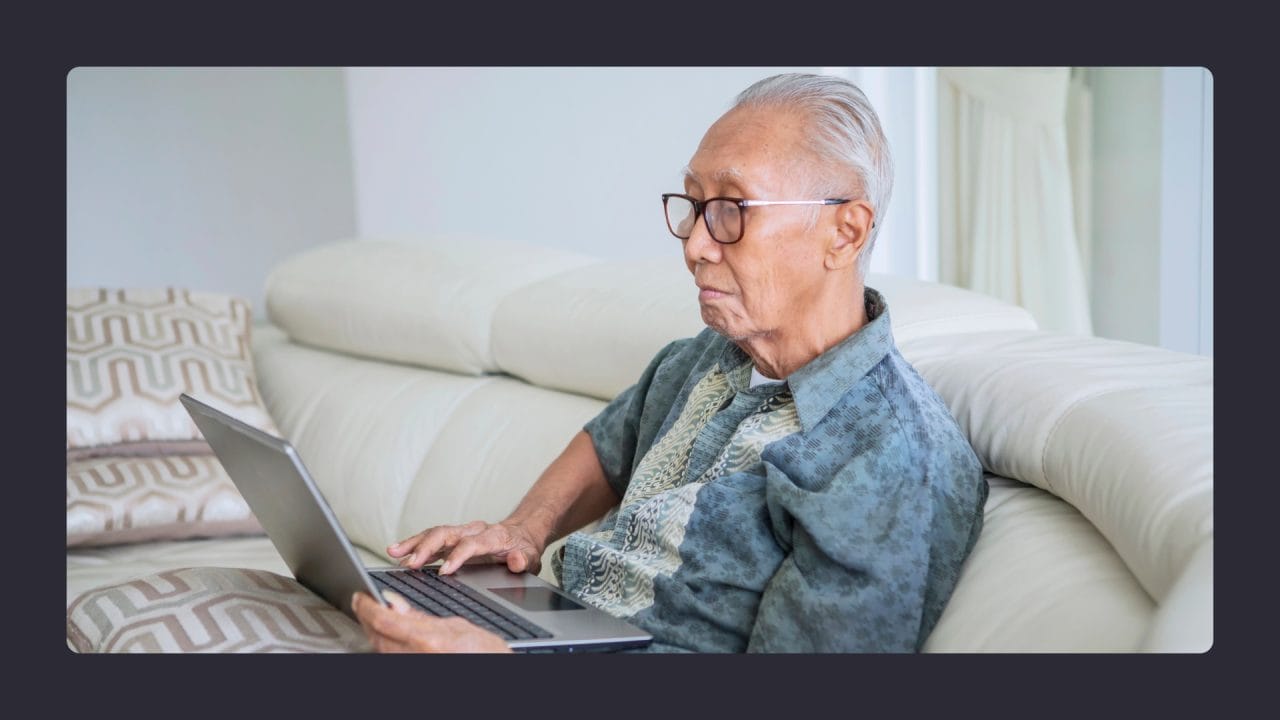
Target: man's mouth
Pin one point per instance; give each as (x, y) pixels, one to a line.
(708, 292)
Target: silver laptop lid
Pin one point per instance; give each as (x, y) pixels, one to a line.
(299, 522)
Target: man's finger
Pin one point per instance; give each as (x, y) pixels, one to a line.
(383, 644)
(397, 602)
(411, 630)
(414, 556)
(383, 633)
(396, 549)
(436, 540)
(388, 623)
(358, 604)
(404, 548)
(461, 553)
(391, 646)
(387, 634)
(517, 562)
(414, 545)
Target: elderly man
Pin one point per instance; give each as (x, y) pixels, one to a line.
(782, 482)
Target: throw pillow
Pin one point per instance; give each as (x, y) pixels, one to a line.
(135, 499)
(209, 609)
(131, 353)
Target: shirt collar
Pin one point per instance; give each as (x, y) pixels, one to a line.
(819, 385)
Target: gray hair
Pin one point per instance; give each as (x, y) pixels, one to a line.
(846, 133)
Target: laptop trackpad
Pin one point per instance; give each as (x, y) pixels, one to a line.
(535, 599)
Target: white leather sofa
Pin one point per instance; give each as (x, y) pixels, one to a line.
(431, 382)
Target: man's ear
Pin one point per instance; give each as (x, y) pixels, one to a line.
(851, 231)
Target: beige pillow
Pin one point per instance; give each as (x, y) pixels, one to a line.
(131, 353)
(210, 610)
(135, 499)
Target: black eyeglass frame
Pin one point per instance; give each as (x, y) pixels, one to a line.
(700, 205)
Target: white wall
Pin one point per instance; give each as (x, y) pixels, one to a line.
(575, 158)
(203, 178)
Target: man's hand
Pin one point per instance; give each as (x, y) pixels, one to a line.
(570, 493)
(478, 540)
(400, 628)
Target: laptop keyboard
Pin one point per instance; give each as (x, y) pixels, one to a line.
(443, 596)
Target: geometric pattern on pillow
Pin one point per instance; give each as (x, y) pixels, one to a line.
(210, 610)
(135, 499)
(131, 353)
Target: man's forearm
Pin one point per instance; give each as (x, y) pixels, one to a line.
(570, 493)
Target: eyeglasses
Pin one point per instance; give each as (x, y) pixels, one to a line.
(723, 215)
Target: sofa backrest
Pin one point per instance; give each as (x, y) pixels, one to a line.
(430, 306)
(552, 318)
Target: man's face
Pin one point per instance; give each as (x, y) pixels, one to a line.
(769, 279)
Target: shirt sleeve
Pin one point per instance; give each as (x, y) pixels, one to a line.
(857, 562)
(616, 430)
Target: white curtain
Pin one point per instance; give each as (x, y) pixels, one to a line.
(1007, 222)
(1080, 157)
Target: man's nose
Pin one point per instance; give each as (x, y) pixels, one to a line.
(700, 247)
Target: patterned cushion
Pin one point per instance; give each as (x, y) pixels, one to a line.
(210, 609)
(133, 499)
(131, 353)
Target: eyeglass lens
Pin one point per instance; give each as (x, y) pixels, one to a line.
(680, 217)
(723, 217)
(724, 220)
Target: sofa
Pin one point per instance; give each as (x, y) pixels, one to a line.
(430, 381)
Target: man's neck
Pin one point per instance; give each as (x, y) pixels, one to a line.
(779, 353)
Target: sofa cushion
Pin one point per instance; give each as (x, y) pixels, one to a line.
(1041, 578)
(1121, 431)
(210, 609)
(131, 353)
(133, 499)
(418, 301)
(1184, 620)
(593, 330)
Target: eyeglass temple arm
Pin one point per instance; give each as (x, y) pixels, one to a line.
(828, 201)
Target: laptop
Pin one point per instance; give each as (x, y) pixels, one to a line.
(531, 614)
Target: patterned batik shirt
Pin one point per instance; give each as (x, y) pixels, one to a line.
(827, 513)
